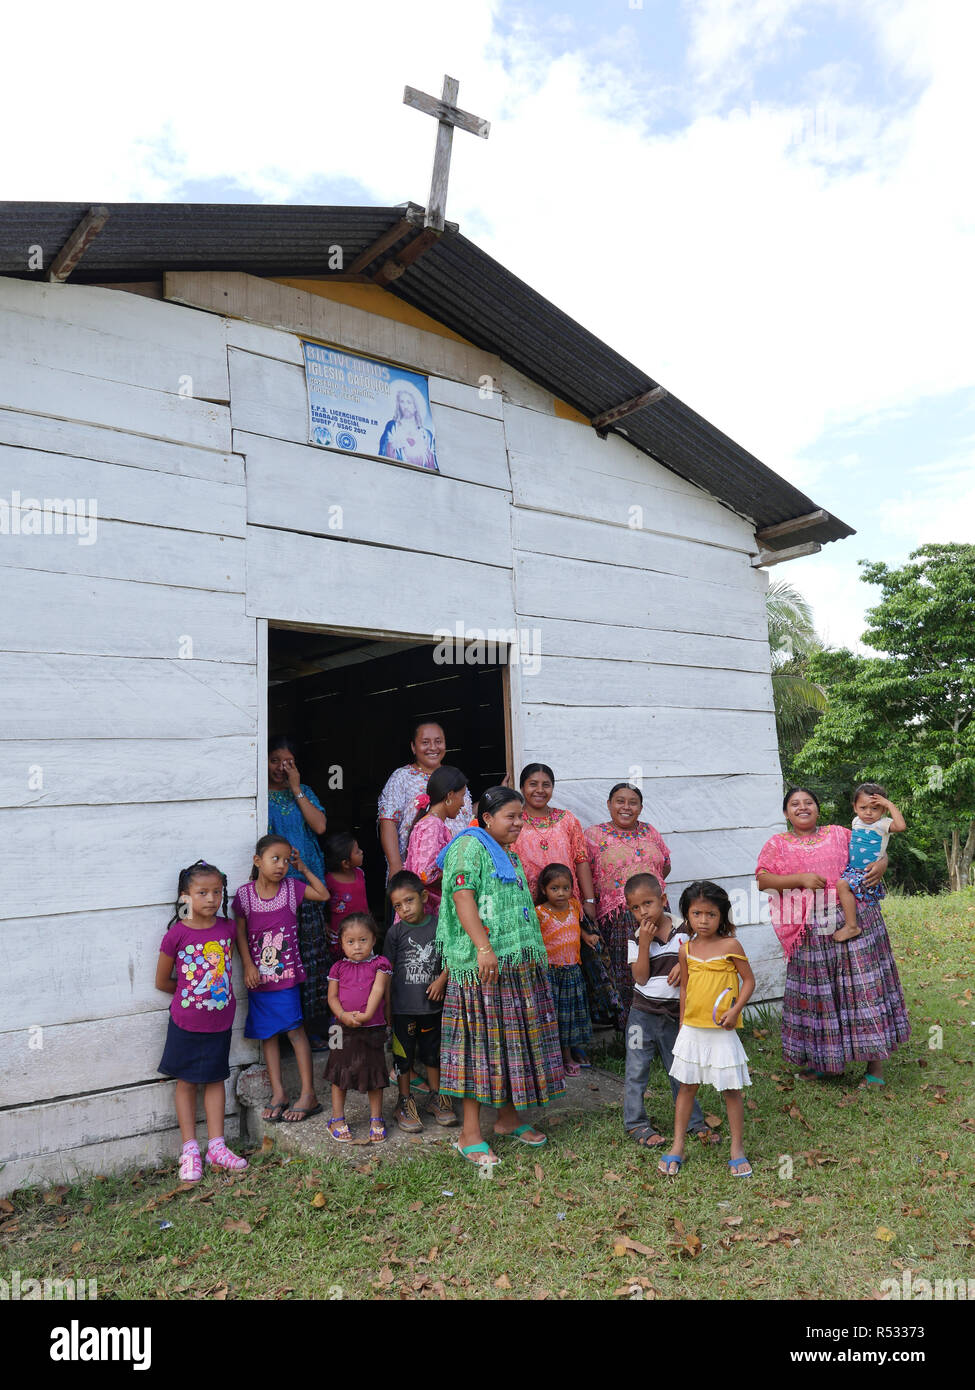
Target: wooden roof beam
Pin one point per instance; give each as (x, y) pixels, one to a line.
(764, 558)
(601, 423)
(796, 523)
(393, 268)
(77, 244)
(381, 244)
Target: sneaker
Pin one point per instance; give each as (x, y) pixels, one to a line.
(442, 1109)
(407, 1116)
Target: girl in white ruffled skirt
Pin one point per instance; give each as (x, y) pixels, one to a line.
(715, 985)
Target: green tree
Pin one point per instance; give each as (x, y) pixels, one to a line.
(792, 640)
(906, 718)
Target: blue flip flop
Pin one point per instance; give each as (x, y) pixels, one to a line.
(667, 1160)
(735, 1165)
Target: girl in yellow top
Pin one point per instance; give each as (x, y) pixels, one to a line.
(707, 1048)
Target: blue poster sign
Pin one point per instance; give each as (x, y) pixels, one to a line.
(360, 406)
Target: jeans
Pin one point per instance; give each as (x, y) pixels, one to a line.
(646, 1035)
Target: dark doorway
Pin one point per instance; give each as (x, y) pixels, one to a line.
(349, 703)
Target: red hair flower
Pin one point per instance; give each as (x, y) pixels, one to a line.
(423, 801)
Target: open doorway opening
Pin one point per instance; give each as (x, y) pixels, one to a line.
(349, 701)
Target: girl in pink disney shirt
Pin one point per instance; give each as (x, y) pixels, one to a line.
(266, 912)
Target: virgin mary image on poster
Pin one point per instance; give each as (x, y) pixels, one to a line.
(407, 437)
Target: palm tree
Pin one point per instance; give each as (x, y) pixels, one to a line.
(792, 639)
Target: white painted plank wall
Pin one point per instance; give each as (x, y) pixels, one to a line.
(84, 441)
(653, 654)
(114, 1155)
(60, 1125)
(112, 617)
(317, 580)
(146, 496)
(147, 761)
(299, 487)
(50, 696)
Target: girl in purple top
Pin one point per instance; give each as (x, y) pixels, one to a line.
(194, 966)
(266, 911)
(358, 985)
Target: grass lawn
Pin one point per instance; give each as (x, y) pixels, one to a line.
(850, 1188)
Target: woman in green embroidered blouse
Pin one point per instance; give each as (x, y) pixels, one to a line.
(500, 1040)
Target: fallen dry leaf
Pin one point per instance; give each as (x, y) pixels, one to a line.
(503, 1282)
(732, 1221)
(539, 1172)
(624, 1243)
(883, 1233)
(267, 1144)
(244, 1227)
(6, 1206)
(318, 1200)
(713, 1121)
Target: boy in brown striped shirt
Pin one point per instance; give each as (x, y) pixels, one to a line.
(654, 1017)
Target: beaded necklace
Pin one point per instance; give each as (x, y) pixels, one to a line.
(807, 842)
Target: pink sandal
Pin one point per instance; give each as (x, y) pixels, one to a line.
(572, 1068)
(220, 1157)
(190, 1165)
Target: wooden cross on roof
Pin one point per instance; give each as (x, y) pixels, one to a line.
(448, 115)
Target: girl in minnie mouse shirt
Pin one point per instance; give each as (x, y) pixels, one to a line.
(266, 912)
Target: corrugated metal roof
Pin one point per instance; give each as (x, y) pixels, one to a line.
(454, 282)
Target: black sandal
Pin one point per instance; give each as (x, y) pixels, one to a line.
(642, 1135)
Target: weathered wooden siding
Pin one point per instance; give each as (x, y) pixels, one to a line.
(130, 707)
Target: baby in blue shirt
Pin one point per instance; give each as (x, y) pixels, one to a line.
(872, 828)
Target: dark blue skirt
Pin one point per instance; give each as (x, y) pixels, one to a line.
(196, 1057)
(273, 1011)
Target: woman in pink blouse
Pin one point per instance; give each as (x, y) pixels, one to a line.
(619, 847)
(550, 835)
(843, 1000)
(432, 831)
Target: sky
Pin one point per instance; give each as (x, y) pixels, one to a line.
(767, 205)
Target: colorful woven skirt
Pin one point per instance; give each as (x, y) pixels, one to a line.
(317, 959)
(604, 1002)
(843, 1000)
(571, 1005)
(501, 1042)
(615, 931)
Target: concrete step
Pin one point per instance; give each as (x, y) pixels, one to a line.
(591, 1090)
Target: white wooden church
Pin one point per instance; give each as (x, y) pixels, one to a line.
(258, 464)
